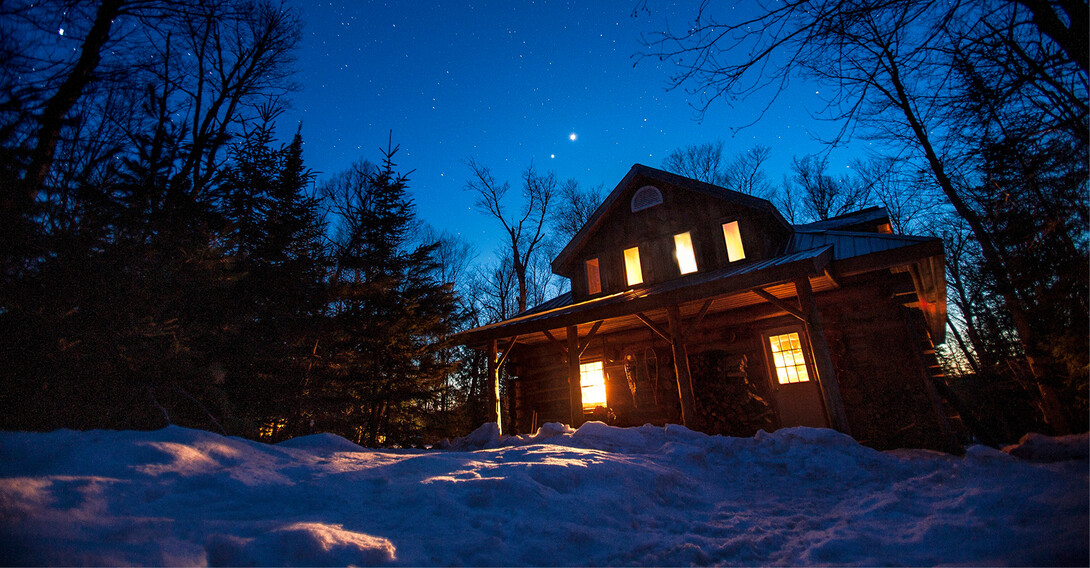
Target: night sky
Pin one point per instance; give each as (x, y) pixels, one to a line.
(507, 83)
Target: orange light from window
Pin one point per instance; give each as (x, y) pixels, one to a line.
(592, 380)
(633, 271)
(733, 237)
(788, 359)
(683, 250)
(594, 279)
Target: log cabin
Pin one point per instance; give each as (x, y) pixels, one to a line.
(690, 303)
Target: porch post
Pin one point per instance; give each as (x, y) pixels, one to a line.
(575, 387)
(830, 389)
(494, 412)
(681, 368)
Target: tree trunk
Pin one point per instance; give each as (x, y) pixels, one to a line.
(993, 259)
(52, 119)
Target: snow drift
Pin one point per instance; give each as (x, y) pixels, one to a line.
(594, 496)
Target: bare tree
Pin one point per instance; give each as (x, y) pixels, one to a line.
(573, 209)
(525, 230)
(746, 173)
(707, 162)
(903, 190)
(702, 162)
(214, 63)
(892, 69)
(811, 194)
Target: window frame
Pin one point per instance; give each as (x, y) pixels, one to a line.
(726, 241)
(628, 268)
(804, 347)
(688, 236)
(592, 290)
(645, 203)
(605, 390)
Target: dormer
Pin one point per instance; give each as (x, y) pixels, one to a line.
(657, 226)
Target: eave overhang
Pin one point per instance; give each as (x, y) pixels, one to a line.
(812, 263)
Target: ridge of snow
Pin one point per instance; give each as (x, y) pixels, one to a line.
(597, 495)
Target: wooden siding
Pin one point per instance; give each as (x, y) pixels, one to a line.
(653, 230)
(882, 378)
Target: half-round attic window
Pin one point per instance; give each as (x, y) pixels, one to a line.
(646, 197)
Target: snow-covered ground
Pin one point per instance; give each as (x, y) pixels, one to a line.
(596, 496)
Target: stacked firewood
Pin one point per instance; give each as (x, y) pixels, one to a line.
(726, 397)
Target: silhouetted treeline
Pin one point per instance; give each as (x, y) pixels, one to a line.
(167, 261)
(982, 111)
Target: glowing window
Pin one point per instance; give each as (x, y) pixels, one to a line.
(733, 237)
(683, 250)
(592, 379)
(594, 279)
(645, 197)
(787, 358)
(633, 272)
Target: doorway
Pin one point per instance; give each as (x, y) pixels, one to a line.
(794, 384)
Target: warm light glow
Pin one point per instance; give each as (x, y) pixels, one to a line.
(594, 279)
(592, 379)
(633, 272)
(787, 358)
(683, 250)
(733, 236)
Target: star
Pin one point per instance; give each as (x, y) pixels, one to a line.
(572, 137)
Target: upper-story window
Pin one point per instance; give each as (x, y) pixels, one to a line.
(632, 270)
(733, 237)
(646, 197)
(683, 251)
(594, 277)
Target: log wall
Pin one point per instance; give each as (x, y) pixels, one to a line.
(882, 378)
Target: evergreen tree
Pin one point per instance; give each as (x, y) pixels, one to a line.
(383, 368)
(279, 298)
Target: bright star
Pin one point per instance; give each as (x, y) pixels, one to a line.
(552, 155)
(572, 137)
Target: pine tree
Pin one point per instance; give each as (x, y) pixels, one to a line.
(391, 318)
(279, 298)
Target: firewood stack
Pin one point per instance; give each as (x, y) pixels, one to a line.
(727, 398)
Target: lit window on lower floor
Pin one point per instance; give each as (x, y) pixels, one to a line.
(788, 359)
(592, 378)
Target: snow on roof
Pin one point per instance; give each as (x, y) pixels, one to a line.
(594, 496)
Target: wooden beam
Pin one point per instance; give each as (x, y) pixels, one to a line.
(780, 304)
(575, 388)
(494, 411)
(699, 316)
(506, 352)
(593, 330)
(654, 327)
(823, 361)
(657, 297)
(681, 369)
(950, 441)
(556, 342)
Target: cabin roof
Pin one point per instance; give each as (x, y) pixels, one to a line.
(848, 244)
(853, 219)
(640, 175)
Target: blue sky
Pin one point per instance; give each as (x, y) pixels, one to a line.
(507, 84)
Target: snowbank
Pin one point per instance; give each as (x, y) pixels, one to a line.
(594, 496)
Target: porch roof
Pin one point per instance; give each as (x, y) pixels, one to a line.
(730, 287)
